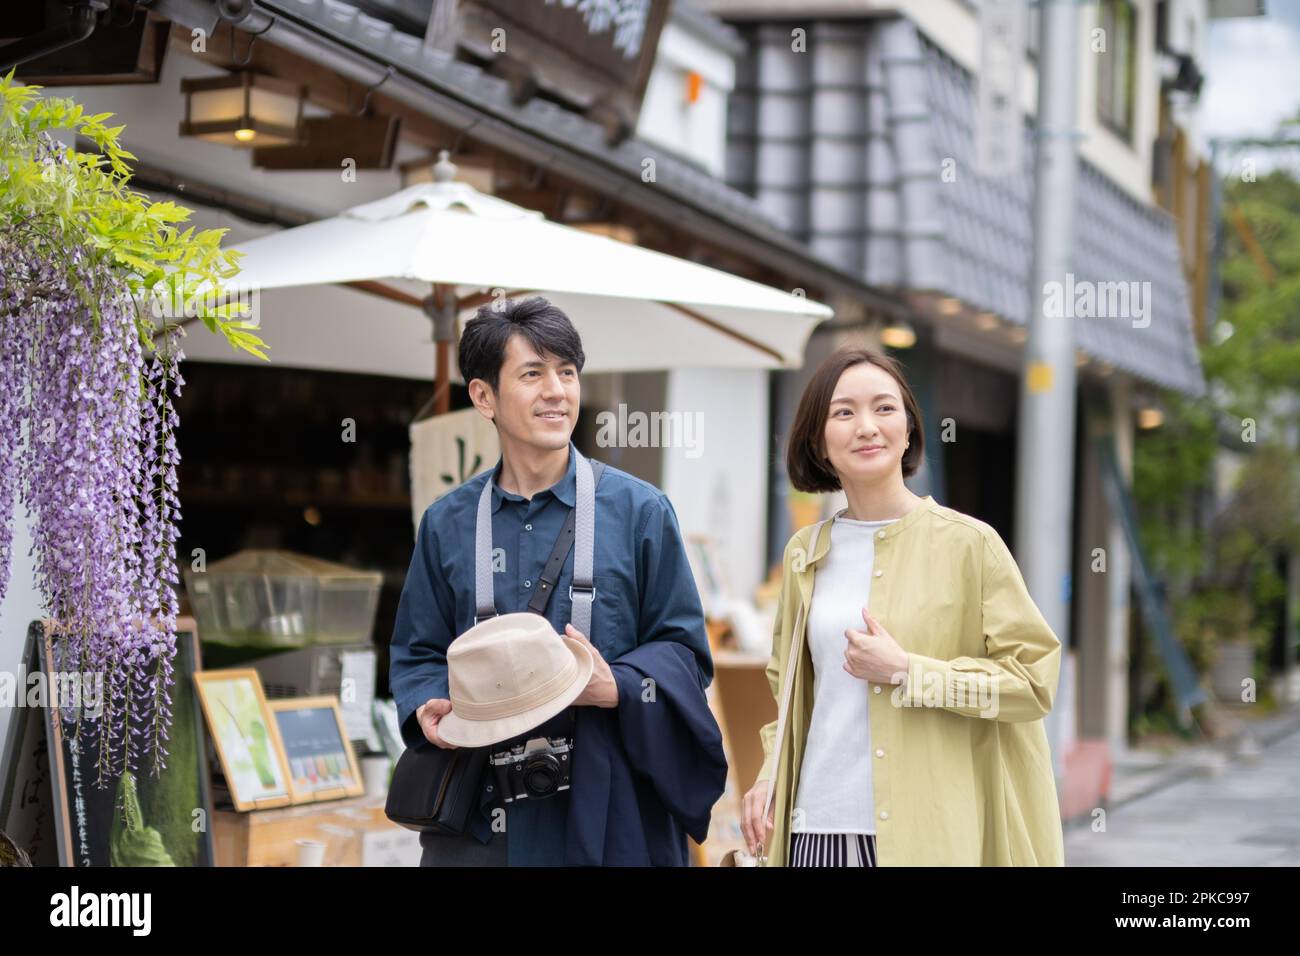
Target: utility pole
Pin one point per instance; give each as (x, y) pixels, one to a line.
(1045, 459)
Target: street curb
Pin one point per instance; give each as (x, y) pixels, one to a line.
(1183, 766)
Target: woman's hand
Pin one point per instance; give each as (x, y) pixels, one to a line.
(873, 654)
(752, 825)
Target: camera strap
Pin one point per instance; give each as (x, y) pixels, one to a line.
(578, 532)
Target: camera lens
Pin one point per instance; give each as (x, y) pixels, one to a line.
(541, 775)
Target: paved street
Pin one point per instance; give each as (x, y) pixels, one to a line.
(1248, 814)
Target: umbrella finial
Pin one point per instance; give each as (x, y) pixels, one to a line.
(444, 170)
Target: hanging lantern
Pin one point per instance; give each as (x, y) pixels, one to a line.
(243, 109)
(898, 334)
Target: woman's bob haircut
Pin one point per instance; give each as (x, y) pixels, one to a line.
(805, 457)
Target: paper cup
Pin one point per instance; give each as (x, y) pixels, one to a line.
(374, 770)
(310, 853)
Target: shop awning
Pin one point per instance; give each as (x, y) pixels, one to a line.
(636, 309)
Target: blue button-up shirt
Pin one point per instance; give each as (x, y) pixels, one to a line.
(644, 592)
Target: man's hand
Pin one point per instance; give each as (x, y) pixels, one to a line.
(601, 689)
(428, 714)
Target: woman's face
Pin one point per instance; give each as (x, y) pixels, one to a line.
(866, 425)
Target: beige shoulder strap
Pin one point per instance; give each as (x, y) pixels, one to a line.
(787, 685)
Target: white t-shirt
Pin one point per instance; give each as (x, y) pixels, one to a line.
(835, 778)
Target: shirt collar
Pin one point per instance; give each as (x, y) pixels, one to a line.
(566, 489)
(823, 544)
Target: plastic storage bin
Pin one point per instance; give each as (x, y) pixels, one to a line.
(278, 599)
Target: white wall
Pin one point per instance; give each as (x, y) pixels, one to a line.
(723, 492)
(698, 130)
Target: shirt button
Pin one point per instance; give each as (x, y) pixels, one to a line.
(880, 753)
(876, 688)
(880, 534)
(884, 814)
(879, 573)
(528, 527)
(528, 584)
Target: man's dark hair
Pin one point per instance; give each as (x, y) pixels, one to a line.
(544, 326)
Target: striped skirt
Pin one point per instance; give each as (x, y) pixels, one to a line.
(832, 849)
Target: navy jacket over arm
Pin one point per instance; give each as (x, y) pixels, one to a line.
(646, 775)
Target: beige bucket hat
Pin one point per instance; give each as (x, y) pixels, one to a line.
(510, 674)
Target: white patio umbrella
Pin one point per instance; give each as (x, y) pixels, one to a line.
(636, 309)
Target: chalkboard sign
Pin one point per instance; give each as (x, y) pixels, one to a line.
(51, 806)
(26, 797)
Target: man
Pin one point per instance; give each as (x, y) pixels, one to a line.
(648, 761)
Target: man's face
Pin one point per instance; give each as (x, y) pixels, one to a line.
(537, 397)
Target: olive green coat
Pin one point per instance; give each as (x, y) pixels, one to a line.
(961, 770)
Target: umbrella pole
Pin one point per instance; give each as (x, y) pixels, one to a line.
(441, 308)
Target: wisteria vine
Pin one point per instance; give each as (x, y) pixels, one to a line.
(88, 447)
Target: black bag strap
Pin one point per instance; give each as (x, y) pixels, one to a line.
(563, 543)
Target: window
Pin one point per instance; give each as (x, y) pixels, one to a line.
(1117, 67)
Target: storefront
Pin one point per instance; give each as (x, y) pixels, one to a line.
(309, 453)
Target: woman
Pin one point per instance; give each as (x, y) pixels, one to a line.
(922, 670)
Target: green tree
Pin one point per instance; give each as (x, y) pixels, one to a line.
(1221, 562)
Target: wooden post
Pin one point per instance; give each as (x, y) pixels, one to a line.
(441, 308)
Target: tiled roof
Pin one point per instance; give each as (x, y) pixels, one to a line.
(988, 241)
(844, 144)
(568, 134)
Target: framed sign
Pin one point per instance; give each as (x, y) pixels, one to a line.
(247, 742)
(322, 765)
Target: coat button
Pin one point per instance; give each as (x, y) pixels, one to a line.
(876, 688)
(879, 752)
(879, 573)
(884, 814)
